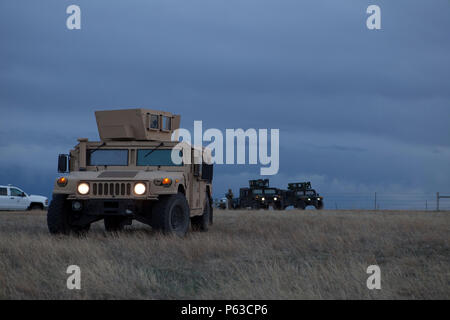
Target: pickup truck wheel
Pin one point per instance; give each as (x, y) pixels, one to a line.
(201, 223)
(171, 215)
(113, 224)
(36, 207)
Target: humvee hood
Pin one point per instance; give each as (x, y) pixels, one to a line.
(123, 175)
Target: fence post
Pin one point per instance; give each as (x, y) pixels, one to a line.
(375, 201)
(437, 201)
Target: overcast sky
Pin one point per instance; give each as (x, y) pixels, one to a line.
(358, 110)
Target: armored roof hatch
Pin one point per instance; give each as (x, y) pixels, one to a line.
(299, 186)
(260, 183)
(136, 124)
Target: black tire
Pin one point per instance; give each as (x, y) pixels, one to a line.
(301, 205)
(201, 223)
(59, 217)
(211, 216)
(113, 224)
(171, 215)
(36, 207)
(256, 206)
(279, 206)
(319, 205)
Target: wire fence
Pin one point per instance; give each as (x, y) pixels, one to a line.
(388, 201)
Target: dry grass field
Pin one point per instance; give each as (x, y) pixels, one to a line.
(246, 255)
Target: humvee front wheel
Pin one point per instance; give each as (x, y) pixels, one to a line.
(59, 217)
(301, 205)
(171, 215)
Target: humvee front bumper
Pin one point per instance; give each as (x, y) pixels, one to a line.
(105, 207)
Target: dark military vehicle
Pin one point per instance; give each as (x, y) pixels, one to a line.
(259, 195)
(300, 195)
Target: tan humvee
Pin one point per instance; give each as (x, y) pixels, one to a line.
(130, 175)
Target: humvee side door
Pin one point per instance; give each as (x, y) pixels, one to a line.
(195, 182)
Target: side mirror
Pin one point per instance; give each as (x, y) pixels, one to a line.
(63, 159)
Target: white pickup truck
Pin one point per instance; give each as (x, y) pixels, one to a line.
(12, 198)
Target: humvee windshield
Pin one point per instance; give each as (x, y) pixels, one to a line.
(107, 157)
(155, 157)
(269, 191)
(257, 191)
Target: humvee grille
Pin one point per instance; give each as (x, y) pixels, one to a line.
(112, 189)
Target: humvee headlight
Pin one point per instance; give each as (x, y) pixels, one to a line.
(139, 189)
(62, 182)
(309, 199)
(263, 198)
(83, 188)
(318, 198)
(275, 198)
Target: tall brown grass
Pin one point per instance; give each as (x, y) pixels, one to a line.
(245, 255)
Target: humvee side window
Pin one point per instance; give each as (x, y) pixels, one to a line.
(207, 172)
(107, 157)
(166, 123)
(155, 157)
(154, 121)
(3, 192)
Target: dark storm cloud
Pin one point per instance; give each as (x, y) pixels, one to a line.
(365, 108)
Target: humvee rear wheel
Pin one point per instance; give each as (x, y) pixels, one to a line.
(201, 223)
(59, 217)
(171, 215)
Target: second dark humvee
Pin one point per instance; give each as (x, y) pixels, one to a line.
(300, 195)
(259, 195)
